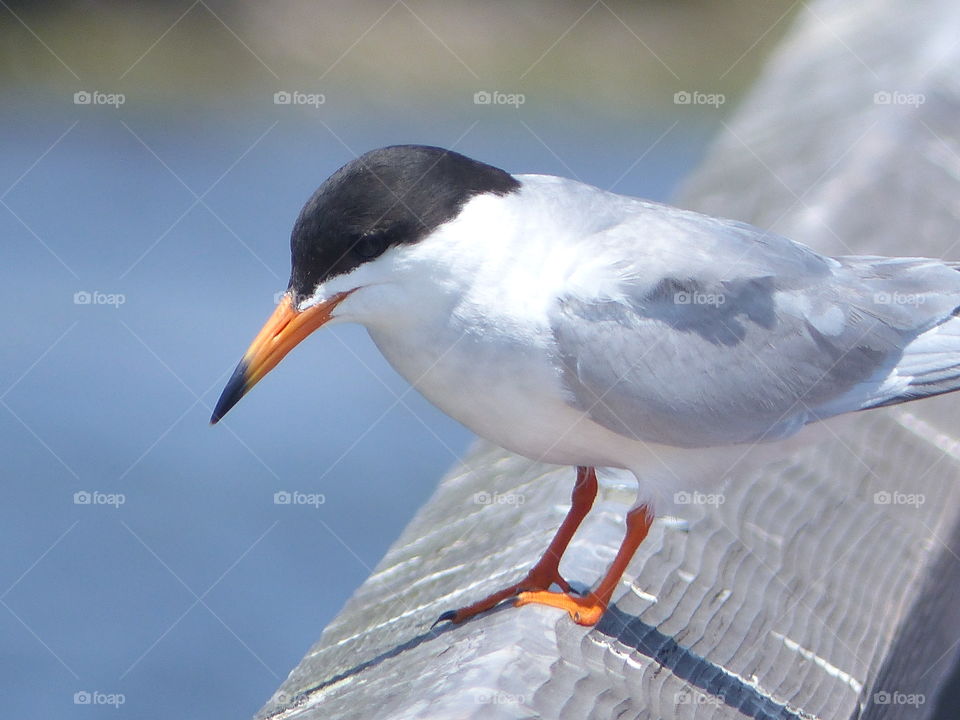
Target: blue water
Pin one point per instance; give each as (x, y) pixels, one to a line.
(197, 594)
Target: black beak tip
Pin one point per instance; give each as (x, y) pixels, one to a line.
(235, 389)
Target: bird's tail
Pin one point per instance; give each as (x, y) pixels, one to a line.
(930, 365)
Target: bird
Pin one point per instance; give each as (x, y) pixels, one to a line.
(583, 328)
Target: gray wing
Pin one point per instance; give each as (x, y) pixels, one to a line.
(763, 339)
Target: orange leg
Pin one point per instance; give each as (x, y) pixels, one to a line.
(545, 572)
(589, 609)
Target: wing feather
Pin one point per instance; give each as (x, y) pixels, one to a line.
(744, 335)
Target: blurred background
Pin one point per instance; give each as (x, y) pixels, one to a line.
(154, 158)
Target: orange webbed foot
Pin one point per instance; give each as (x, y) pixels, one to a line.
(585, 610)
(537, 580)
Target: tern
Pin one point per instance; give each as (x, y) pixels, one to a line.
(579, 327)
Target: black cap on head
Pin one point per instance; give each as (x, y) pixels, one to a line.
(394, 195)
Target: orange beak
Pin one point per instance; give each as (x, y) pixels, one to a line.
(281, 333)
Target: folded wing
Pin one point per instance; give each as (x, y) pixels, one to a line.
(744, 336)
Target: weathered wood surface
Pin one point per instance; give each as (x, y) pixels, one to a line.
(803, 595)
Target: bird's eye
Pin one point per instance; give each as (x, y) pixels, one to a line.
(370, 245)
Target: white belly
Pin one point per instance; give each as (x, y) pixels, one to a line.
(504, 392)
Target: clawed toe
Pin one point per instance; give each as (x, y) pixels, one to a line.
(448, 616)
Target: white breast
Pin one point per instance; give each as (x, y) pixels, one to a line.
(505, 393)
